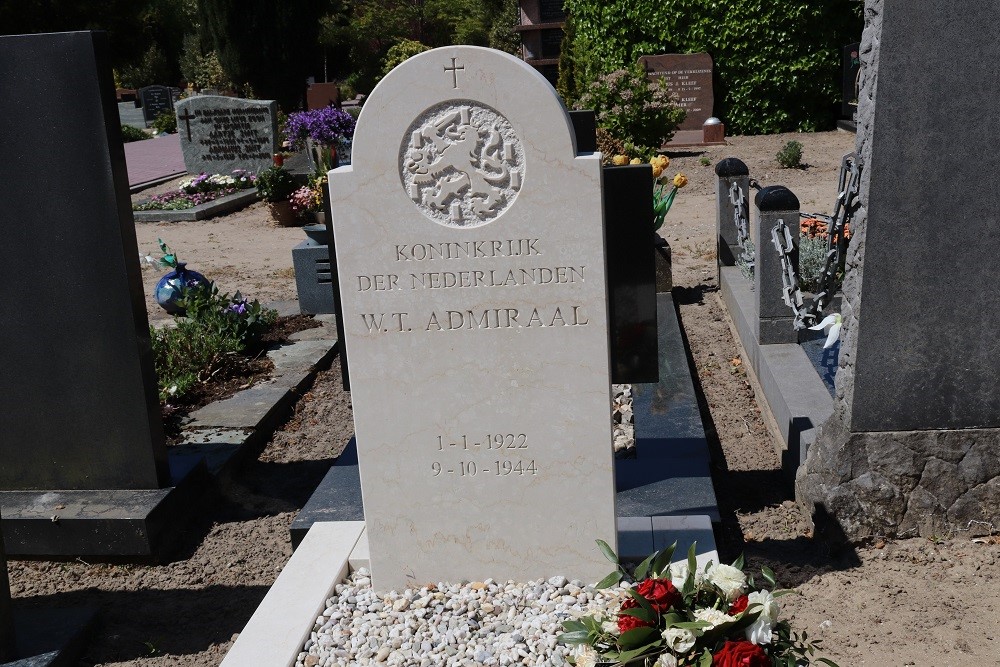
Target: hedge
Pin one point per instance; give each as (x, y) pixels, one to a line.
(777, 64)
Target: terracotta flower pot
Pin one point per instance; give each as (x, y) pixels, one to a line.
(282, 214)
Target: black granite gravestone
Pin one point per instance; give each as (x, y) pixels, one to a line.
(79, 411)
(155, 100)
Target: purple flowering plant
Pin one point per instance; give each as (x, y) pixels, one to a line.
(325, 128)
(199, 190)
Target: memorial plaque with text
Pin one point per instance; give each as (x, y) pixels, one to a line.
(219, 134)
(471, 256)
(155, 100)
(689, 79)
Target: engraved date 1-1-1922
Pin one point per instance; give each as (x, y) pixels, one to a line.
(491, 441)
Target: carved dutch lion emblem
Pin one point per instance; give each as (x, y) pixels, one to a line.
(462, 164)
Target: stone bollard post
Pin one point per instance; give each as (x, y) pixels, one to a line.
(774, 317)
(728, 171)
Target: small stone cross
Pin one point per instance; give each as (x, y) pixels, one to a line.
(454, 72)
(187, 121)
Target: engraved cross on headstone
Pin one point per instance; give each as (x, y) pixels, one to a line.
(454, 72)
(187, 121)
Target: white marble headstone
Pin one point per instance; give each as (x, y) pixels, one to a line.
(471, 256)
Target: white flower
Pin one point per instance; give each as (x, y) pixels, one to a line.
(714, 617)
(610, 627)
(586, 656)
(830, 325)
(730, 580)
(666, 660)
(760, 631)
(679, 640)
(679, 573)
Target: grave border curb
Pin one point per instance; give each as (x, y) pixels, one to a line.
(228, 204)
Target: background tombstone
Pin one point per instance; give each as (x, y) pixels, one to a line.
(914, 441)
(155, 100)
(689, 77)
(79, 411)
(219, 134)
(322, 95)
(475, 314)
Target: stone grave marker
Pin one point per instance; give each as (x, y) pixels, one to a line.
(912, 445)
(471, 258)
(688, 77)
(219, 134)
(155, 100)
(81, 438)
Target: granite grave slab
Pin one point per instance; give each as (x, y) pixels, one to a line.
(221, 134)
(688, 77)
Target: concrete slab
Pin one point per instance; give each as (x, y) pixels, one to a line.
(249, 409)
(360, 556)
(635, 536)
(275, 633)
(786, 381)
(336, 498)
(686, 531)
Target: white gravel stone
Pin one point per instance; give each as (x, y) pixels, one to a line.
(481, 624)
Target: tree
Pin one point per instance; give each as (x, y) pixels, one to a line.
(266, 47)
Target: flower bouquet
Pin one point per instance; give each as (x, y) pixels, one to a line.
(323, 129)
(675, 615)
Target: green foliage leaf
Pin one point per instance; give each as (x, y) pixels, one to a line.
(608, 552)
(574, 626)
(575, 637)
(643, 603)
(827, 661)
(705, 660)
(740, 562)
(638, 638)
(661, 564)
(609, 580)
(643, 568)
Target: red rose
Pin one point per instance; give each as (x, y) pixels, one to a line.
(739, 605)
(740, 654)
(661, 593)
(626, 622)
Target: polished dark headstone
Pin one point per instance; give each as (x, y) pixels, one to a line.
(928, 354)
(78, 399)
(585, 128)
(628, 237)
(155, 100)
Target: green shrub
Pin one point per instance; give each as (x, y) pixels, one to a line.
(217, 326)
(790, 155)
(400, 53)
(777, 64)
(812, 261)
(632, 109)
(275, 184)
(165, 123)
(130, 133)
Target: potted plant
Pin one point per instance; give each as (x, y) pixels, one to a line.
(320, 130)
(169, 290)
(275, 185)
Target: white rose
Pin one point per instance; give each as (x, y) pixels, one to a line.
(679, 640)
(586, 656)
(760, 631)
(713, 617)
(610, 627)
(679, 574)
(666, 660)
(730, 580)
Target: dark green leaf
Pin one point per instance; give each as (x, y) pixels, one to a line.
(768, 575)
(827, 661)
(638, 638)
(662, 561)
(643, 602)
(574, 626)
(609, 580)
(643, 568)
(578, 637)
(705, 660)
(641, 614)
(608, 552)
(739, 562)
(692, 561)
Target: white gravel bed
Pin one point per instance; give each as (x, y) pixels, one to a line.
(623, 419)
(474, 624)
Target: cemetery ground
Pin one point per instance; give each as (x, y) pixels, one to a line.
(905, 602)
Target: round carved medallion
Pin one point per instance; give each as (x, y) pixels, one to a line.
(461, 164)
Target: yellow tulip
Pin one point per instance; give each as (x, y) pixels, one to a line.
(680, 180)
(657, 169)
(661, 161)
(619, 160)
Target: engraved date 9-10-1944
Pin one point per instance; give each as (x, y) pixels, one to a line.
(494, 468)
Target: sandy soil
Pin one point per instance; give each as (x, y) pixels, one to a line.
(908, 602)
